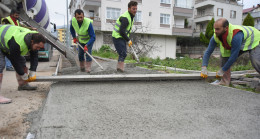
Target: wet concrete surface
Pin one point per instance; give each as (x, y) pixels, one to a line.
(166, 109)
(147, 109)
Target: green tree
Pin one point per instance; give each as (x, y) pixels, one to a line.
(249, 20)
(209, 32)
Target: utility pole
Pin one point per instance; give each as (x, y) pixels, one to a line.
(67, 31)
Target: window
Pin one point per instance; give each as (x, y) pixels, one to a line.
(220, 12)
(150, 13)
(113, 13)
(166, 1)
(165, 19)
(138, 16)
(183, 3)
(232, 14)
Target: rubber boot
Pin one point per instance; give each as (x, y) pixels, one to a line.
(120, 66)
(82, 66)
(88, 66)
(23, 85)
(3, 100)
(225, 80)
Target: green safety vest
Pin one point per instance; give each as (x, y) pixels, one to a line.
(10, 20)
(82, 31)
(116, 31)
(9, 31)
(251, 39)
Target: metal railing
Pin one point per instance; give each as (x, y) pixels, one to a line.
(222, 1)
(203, 15)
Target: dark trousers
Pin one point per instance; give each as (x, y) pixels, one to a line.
(120, 45)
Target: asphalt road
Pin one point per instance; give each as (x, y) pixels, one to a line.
(162, 109)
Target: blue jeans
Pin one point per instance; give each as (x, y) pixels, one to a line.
(120, 45)
(81, 53)
(8, 63)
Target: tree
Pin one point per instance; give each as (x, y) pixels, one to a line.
(249, 20)
(209, 33)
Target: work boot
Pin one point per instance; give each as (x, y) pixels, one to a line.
(23, 85)
(120, 66)
(82, 66)
(88, 66)
(3, 100)
(9, 69)
(26, 87)
(225, 80)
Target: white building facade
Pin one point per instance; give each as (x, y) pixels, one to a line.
(158, 21)
(205, 10)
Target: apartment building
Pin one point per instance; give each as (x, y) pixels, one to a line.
(61, 34)
(158, 22)
(205, 10)
(255, 13)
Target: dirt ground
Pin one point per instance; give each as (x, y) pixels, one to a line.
(13, 124)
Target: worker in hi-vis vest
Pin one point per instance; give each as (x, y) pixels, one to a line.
(13, 20)
(16, 42)
(121, 33)
(85, 36)
(233, 41)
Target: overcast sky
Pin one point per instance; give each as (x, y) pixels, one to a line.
(60, 7)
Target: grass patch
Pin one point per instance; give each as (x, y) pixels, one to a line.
(184, 63)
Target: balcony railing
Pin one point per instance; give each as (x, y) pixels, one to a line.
(203, 15)
(179, 11)
(92, 3)
(222, 1)
(182, 31)
(96, 22)
(255, 14)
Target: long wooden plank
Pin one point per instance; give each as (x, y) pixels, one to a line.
(126, 77)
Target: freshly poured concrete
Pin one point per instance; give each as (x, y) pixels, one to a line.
(135, 109)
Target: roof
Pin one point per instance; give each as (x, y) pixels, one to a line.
(250, 9)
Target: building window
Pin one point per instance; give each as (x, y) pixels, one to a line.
(166, 1)
(220, 12)
(165, 19)
(138, 16)
(183, 3)
(113, 13)
(232, 14)
(150, 13)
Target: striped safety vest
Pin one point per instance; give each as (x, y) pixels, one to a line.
(116, 31)
(82, 31)
(9, 31)
(10, 21)
(251, 39)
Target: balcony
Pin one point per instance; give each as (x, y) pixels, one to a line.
(255, 14)
(203, 17)
(181, 31)
(96, 23)
(234, 2)
(184, 12)
(257, 26)
(92, 3)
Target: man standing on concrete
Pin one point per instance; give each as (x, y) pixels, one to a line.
(233, 40)
(15, 43)
(86, 37)
(122, 32)
(13, 20)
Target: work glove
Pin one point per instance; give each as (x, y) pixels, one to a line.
(85, 48)
(220, 73)
(204, 72)
(24, 76)
(32, 76)
(75, 40)
(130, 43)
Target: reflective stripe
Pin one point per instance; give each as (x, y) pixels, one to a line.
(84, 38)
(252, 38)
(117, 25)
(3, 38)
(84, 35)
(115, 29)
